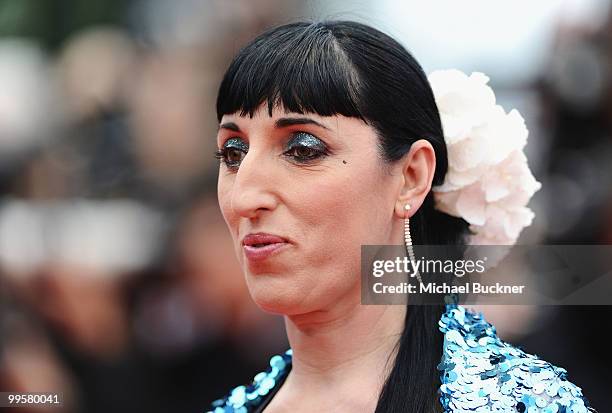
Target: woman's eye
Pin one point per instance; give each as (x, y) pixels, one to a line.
(230, 156)
(232, 153)
(303, 152)
(304, 147)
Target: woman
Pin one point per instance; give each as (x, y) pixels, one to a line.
(329, 139)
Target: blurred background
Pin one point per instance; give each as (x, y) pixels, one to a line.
(118, 282)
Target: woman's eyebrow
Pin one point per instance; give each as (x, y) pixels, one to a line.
(229, 125)
(284, 122)
(280, 123)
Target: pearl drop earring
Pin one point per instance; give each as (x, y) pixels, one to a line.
(408, 242)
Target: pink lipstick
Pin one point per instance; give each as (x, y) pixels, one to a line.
(259, 246)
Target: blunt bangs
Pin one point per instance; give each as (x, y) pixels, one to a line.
(299, 67)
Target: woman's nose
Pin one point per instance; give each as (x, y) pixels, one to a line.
(253, 190)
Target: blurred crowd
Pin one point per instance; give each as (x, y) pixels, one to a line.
(119, 284)
(119, 287)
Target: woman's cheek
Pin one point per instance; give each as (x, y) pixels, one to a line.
(223, 195)
(223, 192)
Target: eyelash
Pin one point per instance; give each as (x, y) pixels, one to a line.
(222, 154)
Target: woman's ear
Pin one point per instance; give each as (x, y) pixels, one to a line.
(417, 167)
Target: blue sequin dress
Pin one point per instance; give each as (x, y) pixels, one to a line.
(479, 372)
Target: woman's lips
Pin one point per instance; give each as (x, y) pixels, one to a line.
(261, 253)
(258, 247)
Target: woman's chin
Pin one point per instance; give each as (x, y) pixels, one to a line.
(274, 299)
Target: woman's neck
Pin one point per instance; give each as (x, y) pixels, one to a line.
(345, 352)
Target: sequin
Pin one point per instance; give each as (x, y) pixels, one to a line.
(509, 379)
(479, 372)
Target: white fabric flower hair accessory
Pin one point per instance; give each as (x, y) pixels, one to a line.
(488, 182)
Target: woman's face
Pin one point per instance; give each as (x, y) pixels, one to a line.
(319, 190)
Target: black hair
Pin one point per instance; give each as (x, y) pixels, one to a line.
(348, 68)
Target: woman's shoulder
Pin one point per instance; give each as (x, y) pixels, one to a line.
(247, 398)
(481, 372)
